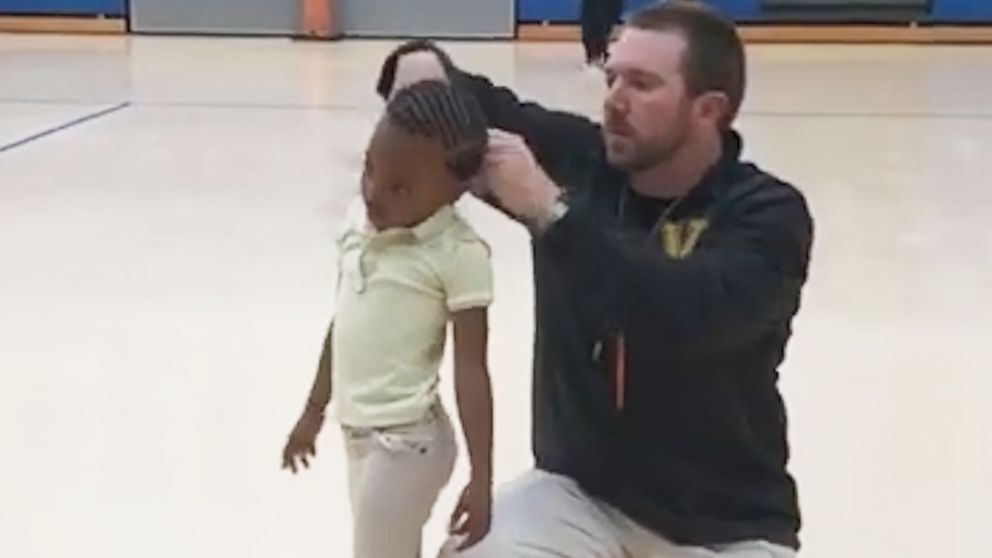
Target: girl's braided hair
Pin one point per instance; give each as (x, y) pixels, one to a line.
(440, 111)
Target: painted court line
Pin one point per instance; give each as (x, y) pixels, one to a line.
(65, 126)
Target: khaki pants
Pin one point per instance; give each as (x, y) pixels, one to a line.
(542, 515)
(394, 477)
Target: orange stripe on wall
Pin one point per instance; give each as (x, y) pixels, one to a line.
(317, 18)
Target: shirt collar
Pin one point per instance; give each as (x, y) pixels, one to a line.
(427, 229)
(434, 225)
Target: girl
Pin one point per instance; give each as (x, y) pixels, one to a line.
(409, 266)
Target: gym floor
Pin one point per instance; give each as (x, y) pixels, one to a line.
(167, 207)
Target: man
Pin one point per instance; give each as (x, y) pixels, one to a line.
(667, 273)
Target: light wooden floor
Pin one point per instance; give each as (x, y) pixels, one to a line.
(165, 275)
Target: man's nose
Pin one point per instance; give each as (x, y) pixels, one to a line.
(616, 98)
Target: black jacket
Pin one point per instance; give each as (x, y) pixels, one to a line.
(656, 348)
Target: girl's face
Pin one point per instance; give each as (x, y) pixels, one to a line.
(405, 179)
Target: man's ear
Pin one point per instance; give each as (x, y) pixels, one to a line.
(714, 106)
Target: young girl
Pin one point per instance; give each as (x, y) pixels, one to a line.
(409, 266)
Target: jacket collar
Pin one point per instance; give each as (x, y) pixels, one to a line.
(718, 178)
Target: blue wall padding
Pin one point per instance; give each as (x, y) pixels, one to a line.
(113, 8)
(562, 11)
(977, 11)
(567, 11)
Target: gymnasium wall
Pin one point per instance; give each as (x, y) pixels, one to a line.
(109, 8)
(567, 11)
(962, 10)
(495, 16)
(434, 18)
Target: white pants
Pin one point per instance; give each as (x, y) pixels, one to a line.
(394, 477)
(542, 515)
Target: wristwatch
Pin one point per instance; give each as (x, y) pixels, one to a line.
(554, 214)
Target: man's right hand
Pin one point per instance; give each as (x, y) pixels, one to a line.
(302, 441)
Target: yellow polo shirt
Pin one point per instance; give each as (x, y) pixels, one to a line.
(396, 292)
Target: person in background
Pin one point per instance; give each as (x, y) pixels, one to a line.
(598, 18)
(409, 266)
(667, 272)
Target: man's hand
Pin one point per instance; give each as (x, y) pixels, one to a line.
(302, 441)
(473, 514)
(417, 66)
(512, 178)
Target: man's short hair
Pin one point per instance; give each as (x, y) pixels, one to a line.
(714, 59)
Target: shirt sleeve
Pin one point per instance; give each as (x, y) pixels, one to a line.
(467, 276)
(557, 138)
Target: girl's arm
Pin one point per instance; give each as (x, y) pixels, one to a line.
(472, 516)
(473, 390)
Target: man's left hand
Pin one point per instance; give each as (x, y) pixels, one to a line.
(417, 66)
(512, 177)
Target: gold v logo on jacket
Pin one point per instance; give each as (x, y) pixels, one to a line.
(679, 238)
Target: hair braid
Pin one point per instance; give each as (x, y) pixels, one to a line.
(440, 111)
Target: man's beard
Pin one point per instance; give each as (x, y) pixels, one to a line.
(637, 154)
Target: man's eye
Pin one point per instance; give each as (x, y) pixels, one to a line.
(640, 84)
